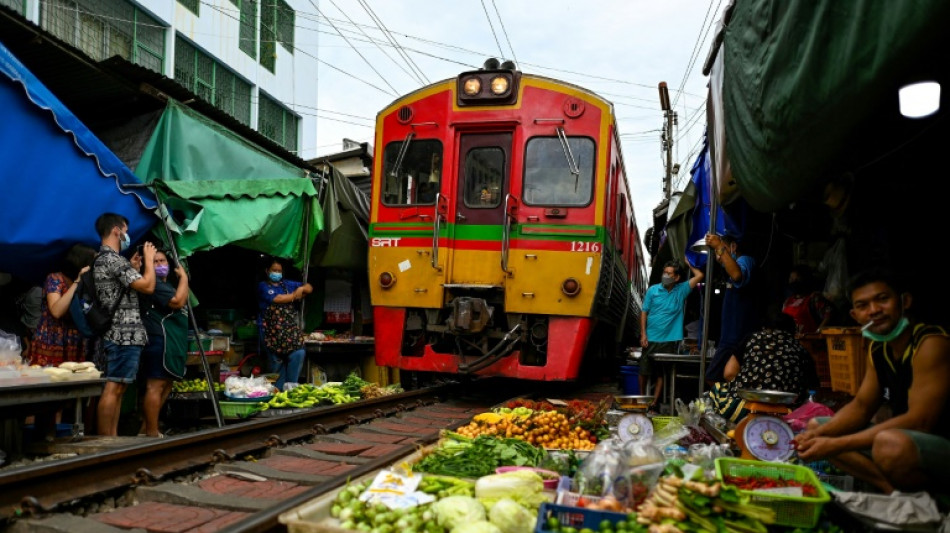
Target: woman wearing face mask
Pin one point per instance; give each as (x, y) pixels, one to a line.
(280, 335)
(810, 309)
(166, 321)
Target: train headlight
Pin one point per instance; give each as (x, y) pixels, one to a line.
(571, 287)
(499, 85)
(472, 86)
(387, 280)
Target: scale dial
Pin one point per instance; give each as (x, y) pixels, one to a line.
(635, 427)
(768, 438)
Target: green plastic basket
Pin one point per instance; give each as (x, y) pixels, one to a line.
(237, 409)
(795, 511)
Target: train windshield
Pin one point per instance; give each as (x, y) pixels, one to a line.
(412, 171)
(548, 179)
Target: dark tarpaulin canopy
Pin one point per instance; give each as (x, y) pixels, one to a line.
(344, 244)
(223, 189)
(799, 77)
(57, 178)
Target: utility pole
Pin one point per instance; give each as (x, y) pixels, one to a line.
(669, 118)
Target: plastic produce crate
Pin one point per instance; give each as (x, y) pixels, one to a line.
(576, 517)
(794, 511)
(847, 357)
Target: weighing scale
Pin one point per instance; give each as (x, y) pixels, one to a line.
(762, 434)
(634, 424)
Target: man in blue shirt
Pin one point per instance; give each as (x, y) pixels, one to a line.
(661, 322)
(740, 310)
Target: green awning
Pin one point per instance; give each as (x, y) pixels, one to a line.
(222, 189)
(800, 77)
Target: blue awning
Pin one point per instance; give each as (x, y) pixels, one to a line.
(56, 177)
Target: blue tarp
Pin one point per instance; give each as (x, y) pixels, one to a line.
(56, 178)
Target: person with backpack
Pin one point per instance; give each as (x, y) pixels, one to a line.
(118, 284)
(278, 322)
(56, 338)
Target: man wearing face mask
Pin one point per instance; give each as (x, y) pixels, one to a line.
(118, 279)
(741, 314)
(661, 321)
(909, 369)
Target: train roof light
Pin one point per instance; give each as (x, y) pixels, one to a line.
(472, 86)
(499, 85)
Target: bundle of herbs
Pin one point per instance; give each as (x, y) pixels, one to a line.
(460, 456)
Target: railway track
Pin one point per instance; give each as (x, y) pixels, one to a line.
(240, 477)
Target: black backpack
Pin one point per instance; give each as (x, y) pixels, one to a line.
(92, 318)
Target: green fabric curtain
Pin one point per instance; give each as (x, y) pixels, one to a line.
(222, 189)
(801, 76)
(344, 244)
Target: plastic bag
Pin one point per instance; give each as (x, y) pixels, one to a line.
(798, 419)
(597, 474)
(9, 349)
(835, 266)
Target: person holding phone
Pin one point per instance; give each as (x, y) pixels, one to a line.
(166, 322)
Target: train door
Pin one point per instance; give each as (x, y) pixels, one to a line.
(484, 162)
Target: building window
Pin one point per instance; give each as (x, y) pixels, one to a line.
(17, 5)
(277, 25)
(210, 80)
(190, 5)
(247, 35)
(106, 28)
(277, 123)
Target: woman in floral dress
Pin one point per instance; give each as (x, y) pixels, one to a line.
(56, 339)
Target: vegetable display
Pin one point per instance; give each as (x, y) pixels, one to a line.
(550, 429)
(461, 456)
(677, 505)
(307, 395)
(765, 483)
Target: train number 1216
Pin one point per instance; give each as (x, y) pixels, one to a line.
(585, 246)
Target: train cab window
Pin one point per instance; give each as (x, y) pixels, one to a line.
(412, 171)
(484, 175)
(548, 179)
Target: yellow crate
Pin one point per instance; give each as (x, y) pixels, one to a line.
(847, 358)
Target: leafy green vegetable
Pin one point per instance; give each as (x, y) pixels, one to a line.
(464, 457)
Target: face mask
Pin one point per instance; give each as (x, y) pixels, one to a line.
(666, 280)
(161, 271)
(124, 242)
(888, 337)
(275, 276)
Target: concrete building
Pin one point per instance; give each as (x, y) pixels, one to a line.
(255, 60)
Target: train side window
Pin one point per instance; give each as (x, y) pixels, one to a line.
(418, 176)
(484, 173)
(547, 174)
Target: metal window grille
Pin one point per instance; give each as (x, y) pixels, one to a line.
(17, 5)
(190, 5)
(285, 25)
(210, 80)
(277, 123)
(268, 35)
(106, 28)
(247, 33)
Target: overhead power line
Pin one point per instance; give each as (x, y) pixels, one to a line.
(492, 26)
(370, 39)
(502, 23)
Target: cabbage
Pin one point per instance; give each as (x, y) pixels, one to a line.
(455, 510)
(522, 486)
(481, 526)
(511, 517)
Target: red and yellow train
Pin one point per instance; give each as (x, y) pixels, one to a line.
(502, 235)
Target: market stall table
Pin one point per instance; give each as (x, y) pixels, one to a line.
(338, 357)
(670, 373)
(27, 396)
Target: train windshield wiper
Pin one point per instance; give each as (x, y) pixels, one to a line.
(571, 163)
(402, 153)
